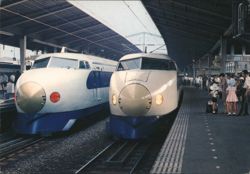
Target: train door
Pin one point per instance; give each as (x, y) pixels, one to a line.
(98, 90)
(97, 81)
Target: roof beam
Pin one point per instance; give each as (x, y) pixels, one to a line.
(172, 15)
(106, 38)
(58, 29)
(189, 26)
(13, 4)
(38, 17)
(205, 11)
(194, 31)
(60, 25)
(75, 32)
(186, 15)
(186, 34)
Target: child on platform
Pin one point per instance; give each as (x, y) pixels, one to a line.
(232, 98)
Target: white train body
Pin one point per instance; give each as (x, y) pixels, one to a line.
(79, 82)
(144, 87)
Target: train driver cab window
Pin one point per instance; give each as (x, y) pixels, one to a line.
(157, 64)
(87, 65)
(84, 65)
(129, 64)
(41, 63)
(63, 63)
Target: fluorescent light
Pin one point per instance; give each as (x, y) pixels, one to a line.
(6, 33)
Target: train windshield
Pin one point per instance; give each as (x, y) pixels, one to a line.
(41, 63)
(146, 64)
(129, 64)
(63, 63)
(157, 64)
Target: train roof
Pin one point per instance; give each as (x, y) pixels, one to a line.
(78, 56)
(147, 55)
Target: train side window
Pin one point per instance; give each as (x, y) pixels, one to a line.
(87, 65)
(82, 65)
(129, 64)
(41, 63)
(157, 64)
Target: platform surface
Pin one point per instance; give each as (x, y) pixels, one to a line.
(201, 143)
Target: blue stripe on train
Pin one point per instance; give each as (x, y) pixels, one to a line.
(51, 122)
(130, 127)
(98, 79)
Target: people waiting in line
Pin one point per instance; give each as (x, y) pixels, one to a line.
(7, 85)
(231, 89)
(231, 99)
(3, 82)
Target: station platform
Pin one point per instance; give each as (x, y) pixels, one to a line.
(204, 143)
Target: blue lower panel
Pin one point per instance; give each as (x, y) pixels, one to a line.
(51, 122)
(134, 127)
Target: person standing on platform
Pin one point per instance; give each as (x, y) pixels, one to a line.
(1, 83)
(231, 96)
(214, 89)
(10, 88)
(246, 92)
(239, 88)
(204, 81)
(223, 87)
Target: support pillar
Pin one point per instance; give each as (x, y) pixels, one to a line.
(223, 54)
(243, 50)
(23, 42)
(209, 60)
(232, 50)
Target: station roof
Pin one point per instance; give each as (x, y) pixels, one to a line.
(190, 28)
(53, 24)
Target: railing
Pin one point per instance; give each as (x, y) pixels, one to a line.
(238, 58)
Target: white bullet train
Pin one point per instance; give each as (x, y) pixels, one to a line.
(59, 89)
(144, 89)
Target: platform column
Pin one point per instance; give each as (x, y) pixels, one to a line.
(23, 42)
(243, 50)
(223, 53)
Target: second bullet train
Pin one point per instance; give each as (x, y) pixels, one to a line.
(59, 89)
(144, 89)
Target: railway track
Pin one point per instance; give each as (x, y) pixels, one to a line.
(118, 157)
(6, 136)
(16, 144)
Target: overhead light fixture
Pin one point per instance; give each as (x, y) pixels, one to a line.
(6, 33)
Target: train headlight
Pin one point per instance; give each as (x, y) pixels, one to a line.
(55, 97)
(114, 99)
(159, 99)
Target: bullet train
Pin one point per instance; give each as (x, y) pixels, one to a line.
(144, 90)
(59, 89)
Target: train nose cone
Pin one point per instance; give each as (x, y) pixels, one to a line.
(30, 97)
(135, 100)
